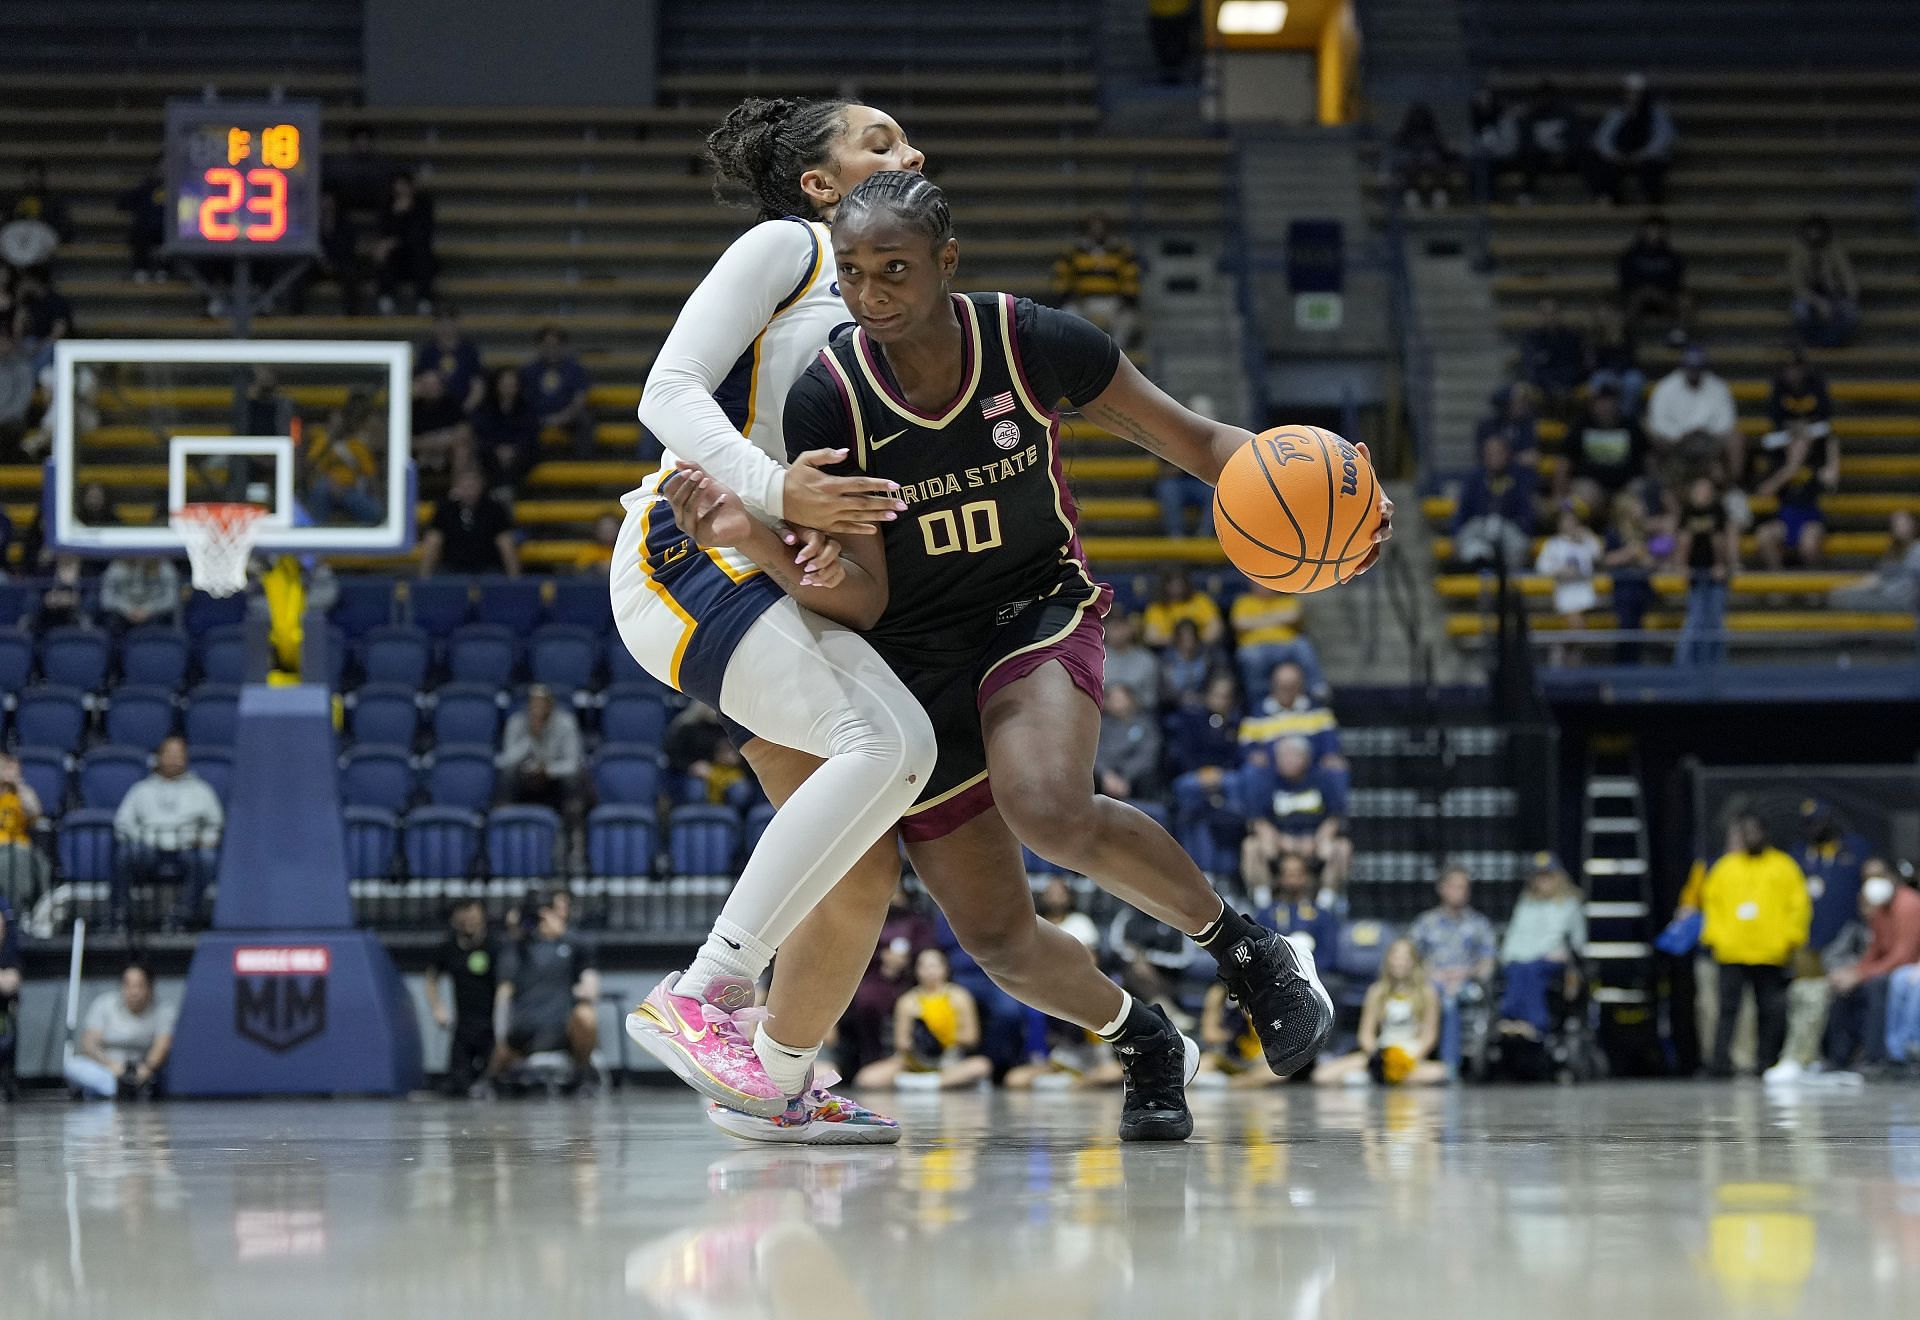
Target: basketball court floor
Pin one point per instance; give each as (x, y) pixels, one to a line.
(1610, 1201)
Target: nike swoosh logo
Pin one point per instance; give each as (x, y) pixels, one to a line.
(882, 444)
(729, 943)
(686, 1028)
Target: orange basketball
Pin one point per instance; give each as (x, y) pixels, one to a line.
(1296, 509)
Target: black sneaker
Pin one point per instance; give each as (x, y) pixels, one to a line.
(1274, 982)
(1158, 1067)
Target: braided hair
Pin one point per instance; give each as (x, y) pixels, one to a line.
(765, 144)
(913, 198)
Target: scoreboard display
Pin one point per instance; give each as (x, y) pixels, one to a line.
(243, 178)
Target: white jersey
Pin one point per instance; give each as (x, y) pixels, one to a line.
(757, 321)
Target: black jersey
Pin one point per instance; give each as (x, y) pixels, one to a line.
(990, 524)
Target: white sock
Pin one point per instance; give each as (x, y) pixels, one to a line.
(786, 1066)
(729, 951)
(1119, 1019)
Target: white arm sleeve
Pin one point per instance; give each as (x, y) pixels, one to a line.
(719, 323)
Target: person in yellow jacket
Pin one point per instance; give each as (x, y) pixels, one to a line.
(1756, 912)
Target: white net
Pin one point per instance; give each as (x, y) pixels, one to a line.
(219, 538)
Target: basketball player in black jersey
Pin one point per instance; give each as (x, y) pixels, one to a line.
(980, 599)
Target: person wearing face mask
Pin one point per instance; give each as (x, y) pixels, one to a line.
(1857, 1024)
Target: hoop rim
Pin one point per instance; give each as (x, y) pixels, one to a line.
(225, 515)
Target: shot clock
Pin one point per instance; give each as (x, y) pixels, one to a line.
(243, 178)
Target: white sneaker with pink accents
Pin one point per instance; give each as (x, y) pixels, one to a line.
(703, 1044)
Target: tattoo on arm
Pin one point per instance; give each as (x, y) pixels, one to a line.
(1125, 424)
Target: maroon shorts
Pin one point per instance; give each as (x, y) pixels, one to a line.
(1070, 629)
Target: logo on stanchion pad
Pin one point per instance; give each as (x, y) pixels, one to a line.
(280, 994)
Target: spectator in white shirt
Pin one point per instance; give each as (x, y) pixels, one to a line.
(1691, 422)
(169, 829)
(540, 754)
(138, 591)
(124, 1042)
(1057, 905)
(1570, 557)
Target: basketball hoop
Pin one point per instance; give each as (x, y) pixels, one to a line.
(219, 539)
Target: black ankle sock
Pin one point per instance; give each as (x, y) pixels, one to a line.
(1228, 927)
(1140, 1021)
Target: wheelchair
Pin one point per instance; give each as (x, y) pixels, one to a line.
(1569, 1052)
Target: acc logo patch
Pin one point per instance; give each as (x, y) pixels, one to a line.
(1006, 433)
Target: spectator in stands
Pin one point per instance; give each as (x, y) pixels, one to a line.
(1797, 462)
(1635, 138)
(1708, 550)
(1630, 560)
(506, 434)
(1185, 666)
(1857, 1022)
(1493, 142)
(1180, 492)
(1570, 558)
(557, 387)
(62, 603)
(403, 253)
(146, 206)
(168, 826)
(1613, 360)
(1266, 632)
(1553, 357)
(1419, 160)
(547, 994)
(936, 1034)
(469, 961)
(1099, 278)
(597, 556)
(23, 870)
(1058, 905)
(1653, 283)
(1515, 418)
(1171, 25)
(1205, 738)
(540, 755)
(1231, 1051)
(1399, 1026)
(699, 753)
(1552, 138)
(1129, 662)
(261, 409)
(9, 995)
(344, 480)
(448, 386)
(1296, 906)
(1547, 931)
(339, 259)
(1826, 293)
(1832, 859)
(361, 180)
(41, 318)
(866, 1033)
(1606, 453)
(1176, 598)
(1294, 808)
(124, 1042)
(1289, 711)
(1895, 583)
(1691, 422)
(1754, 901)
(36, 200)
(1493, 523)
(137, 591)
(1126, 762)
(471, 532)
(1457, 944)
(18, 382)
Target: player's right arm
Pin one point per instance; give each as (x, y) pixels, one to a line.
(718, 325)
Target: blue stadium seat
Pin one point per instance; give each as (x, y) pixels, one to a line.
(582, 601)
(106, 773)
(512, 603)
(16, 659)
(562, 656)
(521, 842)
(50, 716)
(364, 603)
(633, 713)
(139, 716)
(204, 612)
(223, 654)
(75, 657)
(377, 777)
(373, 838)
(45, 771)
(441, 842)
(483, 653)
(621, 666)
(84, 846)
(439, 605)
(384, 713)
(154, 657)
(18, 599)
(629, 774)
(461, 777)
(397, 653)
(338, 649)
(703, 840)
(1363, 946)
(213, 716)
(215, 765)
(466, 713)
(621, 841)
(757, 821)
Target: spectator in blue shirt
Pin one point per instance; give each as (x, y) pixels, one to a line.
(506, 434)
(1457, 945)
(1294, 808)
(1515, 418)
(1288, 710)
(1553, 359)
(1184, 666)
(1831, 860)
(1293, 907)
(556, 385)
(448, 382)
(1495, 519)
(1207, 736)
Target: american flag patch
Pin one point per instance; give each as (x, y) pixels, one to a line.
(998, 405)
